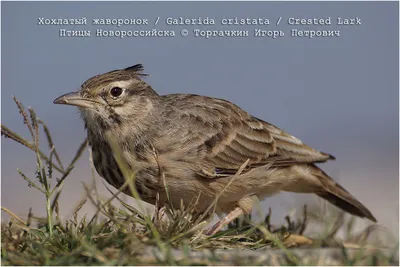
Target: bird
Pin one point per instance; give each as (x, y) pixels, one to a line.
(208, 150)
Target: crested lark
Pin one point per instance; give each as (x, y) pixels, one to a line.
(201, 142)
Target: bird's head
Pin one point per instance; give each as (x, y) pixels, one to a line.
(113, 98)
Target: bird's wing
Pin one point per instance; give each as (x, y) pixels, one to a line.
(226, 136)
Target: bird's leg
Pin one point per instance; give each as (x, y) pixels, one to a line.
(225, 221)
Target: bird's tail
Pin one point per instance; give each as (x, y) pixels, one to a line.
(340, 197)
(311, 179)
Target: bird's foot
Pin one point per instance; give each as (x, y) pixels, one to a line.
(225, 221)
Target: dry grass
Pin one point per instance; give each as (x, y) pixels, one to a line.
(126, 236)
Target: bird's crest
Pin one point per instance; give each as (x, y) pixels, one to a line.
(137, 69)
(128, 73)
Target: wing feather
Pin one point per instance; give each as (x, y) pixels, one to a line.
(236, 136)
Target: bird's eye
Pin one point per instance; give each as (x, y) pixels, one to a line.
(116, 91)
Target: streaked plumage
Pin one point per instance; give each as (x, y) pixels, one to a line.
(200, 142)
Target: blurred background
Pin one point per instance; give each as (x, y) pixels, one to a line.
(337, 94)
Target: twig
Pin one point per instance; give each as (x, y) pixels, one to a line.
(214, 203)
(12, 214)
(30, 182)
(24, 116)
(71, 165)
(14, 136)
(50, 142)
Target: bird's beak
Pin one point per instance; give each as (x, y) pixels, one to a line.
(75, 99)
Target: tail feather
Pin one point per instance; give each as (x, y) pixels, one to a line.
(351, 206)
(340, 197)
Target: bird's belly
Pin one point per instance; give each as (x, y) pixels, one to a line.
(184, 187)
